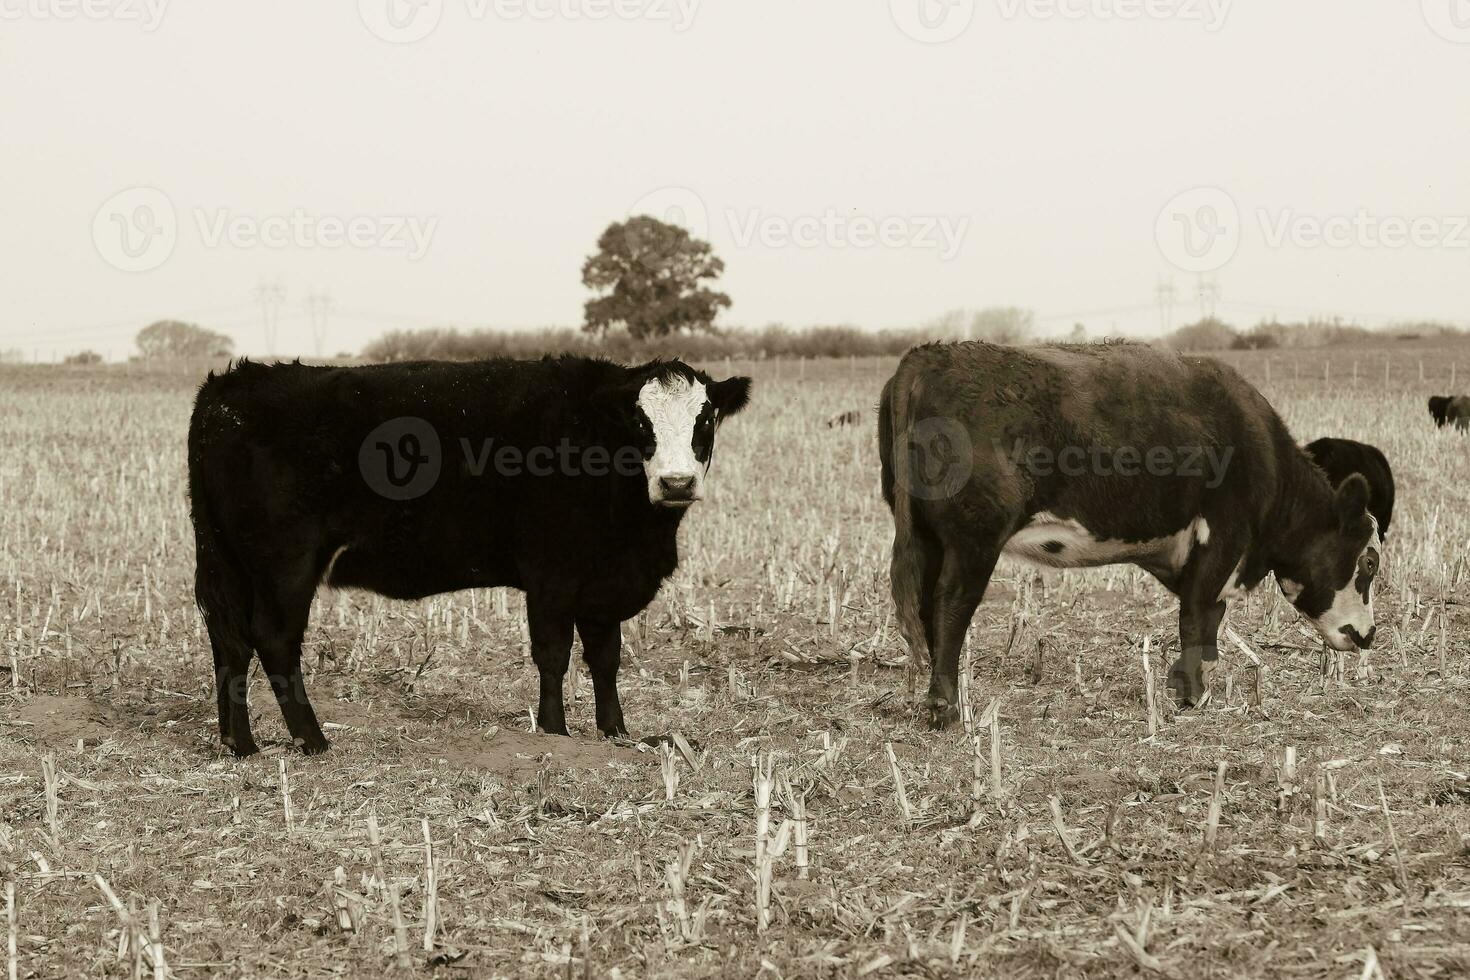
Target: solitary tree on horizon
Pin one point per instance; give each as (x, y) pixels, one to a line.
(649, 276)
(174, 338)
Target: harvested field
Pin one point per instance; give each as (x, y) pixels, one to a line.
(1076, 844)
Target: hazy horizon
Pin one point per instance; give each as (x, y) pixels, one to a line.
(452, 162)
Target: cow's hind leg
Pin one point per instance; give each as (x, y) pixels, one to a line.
(913, 575)
(551, 650)
(281, 612)
(602, 648)
(963, 576)
(231, 685)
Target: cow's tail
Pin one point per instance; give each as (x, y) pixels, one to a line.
(222, 587)
(909, 546)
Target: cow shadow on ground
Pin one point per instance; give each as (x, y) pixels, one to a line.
(360, 718)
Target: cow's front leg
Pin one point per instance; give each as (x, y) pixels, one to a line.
(551, 649)
(1201, 588)
(1199, 627)
(602, 648)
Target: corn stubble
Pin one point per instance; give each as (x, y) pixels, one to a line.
(1308, 821)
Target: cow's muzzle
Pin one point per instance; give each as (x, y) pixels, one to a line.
(676, 491)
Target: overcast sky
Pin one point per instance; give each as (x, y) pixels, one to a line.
(858, 161)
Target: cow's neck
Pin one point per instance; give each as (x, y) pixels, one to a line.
(1303, 508)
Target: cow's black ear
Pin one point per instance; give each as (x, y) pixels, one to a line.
(1351, 500)
(729, 396)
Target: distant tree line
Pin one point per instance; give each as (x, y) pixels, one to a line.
(1212, 333)
(1000, 325)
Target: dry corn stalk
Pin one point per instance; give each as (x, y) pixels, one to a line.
(900, 797)
(669, 769)
(1148, 690)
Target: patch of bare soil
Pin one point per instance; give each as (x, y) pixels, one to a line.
(56, 720)
(510, 752)
(518, 753)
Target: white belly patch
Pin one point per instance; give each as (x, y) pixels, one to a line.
(1057, 542)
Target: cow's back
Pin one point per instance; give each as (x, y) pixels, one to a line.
(1218, 434)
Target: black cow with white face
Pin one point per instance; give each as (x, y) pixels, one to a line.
(1078, 456)
(564, 477)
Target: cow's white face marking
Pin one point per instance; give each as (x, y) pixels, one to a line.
(1352, 605)
(1064, 543)
(674, 407)
(1347, 616)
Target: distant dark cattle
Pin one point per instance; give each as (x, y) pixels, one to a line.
(1451, 409)
(846, 418)
(566, 478)
(1095, 455)
(1341, 458)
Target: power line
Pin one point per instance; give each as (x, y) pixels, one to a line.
(1207, 291)
(270, 296)
(1164, 297)
(319, 306)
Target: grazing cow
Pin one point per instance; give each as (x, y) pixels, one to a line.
(1341, 458)
(1454, 409)
(564, 477)
(845, 418)
(1073, 456)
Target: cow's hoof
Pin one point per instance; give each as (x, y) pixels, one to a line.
(241, 749)
(1187, 687)
(313, 745)
(942, 714)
